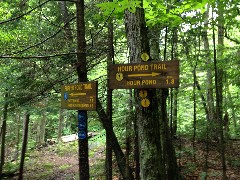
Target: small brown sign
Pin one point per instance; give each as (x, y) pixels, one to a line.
(159, 74)
(80, 96)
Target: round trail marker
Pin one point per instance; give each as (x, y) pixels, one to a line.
(143, 93)
(145, 102)
(145, 57)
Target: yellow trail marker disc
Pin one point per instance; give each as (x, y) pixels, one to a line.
(143, 93)
(145, 57)
(145, 102)
(119, 76)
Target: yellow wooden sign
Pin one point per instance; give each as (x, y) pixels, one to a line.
(79, 96)
(158, 74)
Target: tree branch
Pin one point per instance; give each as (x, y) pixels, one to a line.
(22, 15)
(231, 39)
(43, 41)
(36, 57)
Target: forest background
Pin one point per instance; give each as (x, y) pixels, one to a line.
(39, 55)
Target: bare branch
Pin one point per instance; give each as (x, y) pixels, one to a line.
(41, 42)
(22, 15)
(231, 39)
(36, 57)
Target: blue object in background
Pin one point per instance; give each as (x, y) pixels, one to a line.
(65, 96)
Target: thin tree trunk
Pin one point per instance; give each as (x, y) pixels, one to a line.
(231, 103)
(129, 120)
(110, 60)
(136, 150)
(194, 113)
(82, 77)
(121, 160)
(60, 125)
(18, 120)
(219, 85)
(3, 133)
(175, 111)
(65, 19)
(43, 127)
(24, 145)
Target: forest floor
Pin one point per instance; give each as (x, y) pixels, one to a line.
(60, 162)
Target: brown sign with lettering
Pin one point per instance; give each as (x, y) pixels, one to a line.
(159, 74)
(80, 96)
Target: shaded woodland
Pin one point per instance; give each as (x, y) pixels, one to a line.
(189, 132)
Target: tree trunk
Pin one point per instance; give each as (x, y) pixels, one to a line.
(121, 160)
(24, 145)
(129, 131)
(18, 122)
(66, 19)
(175, 111)
(3, 133)
(43, 127)
(194, 113)
(219, 83)
(147, 118)
(209, 84)
(60, 125)
(110, 60)
(155, 54)
(82, 77)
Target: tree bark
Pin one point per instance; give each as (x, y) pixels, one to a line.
(43, 127)
(209, 83)
(82, 77)
(60, 125)
(24, 145)
(3, 133)
(110, 60)
(121, 160)
(65, 19)
(147, 118)
(219, 83)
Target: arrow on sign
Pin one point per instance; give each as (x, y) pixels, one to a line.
(140, 75)
(78, 94)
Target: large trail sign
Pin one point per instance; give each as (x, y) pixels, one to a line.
(79, 96)
(159, 74)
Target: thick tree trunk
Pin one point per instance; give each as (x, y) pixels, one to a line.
(209, 83)
(147, 118)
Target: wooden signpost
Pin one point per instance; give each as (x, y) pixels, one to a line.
(159, 74)
(80, 96)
